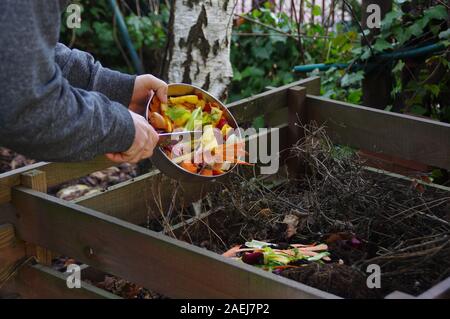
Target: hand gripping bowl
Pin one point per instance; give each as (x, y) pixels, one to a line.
(164, 163)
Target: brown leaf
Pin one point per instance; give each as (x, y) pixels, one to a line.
(336, 237)
(265, 212)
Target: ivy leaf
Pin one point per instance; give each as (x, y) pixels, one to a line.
(435, 29)
(433, 88)
(398, 67)
(236, 75)
(419, 110)
(276, 37)
(328, 94)
(381, 45)
(423, 22)
(390, 18)
(415, 29)
(438, 12)
(261, 53)
(402, 35)
(252, 71)
(352, 78)
(366, 53)
(445, 34)
(357, 51)
(287, 77)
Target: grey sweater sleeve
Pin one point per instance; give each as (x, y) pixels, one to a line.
(82, 71)
(42, 115)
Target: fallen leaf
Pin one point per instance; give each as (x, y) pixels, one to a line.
(336, 237)
(265, 212)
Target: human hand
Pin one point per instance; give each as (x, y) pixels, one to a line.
(142, 86)
(145, 141)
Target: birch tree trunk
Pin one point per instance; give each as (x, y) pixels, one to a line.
(199, 45)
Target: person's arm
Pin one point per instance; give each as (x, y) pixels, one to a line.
(41, 115)
(82, 71)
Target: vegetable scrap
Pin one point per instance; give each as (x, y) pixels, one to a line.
(211, 154)
(277, 257)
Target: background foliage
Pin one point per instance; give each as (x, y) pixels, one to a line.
(99, 34)
(265, 47)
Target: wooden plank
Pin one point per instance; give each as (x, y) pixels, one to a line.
(246, 110)
(296, 118)
(41, 282)
(37, 180)
(142, 256)
(56, 173)
(276, 117)
(132, 200)
(412, 138)
(439, 291)
(393, 163)
(11, 251)
(7, 237)
(399, 295)
(406, 178)
(129, 200)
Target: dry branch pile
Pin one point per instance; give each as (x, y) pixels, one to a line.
(364, 217)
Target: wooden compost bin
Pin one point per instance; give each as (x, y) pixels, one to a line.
(101, 230)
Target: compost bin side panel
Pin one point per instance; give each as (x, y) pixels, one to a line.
(143, 256)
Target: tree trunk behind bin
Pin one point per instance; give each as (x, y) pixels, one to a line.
(199, 44)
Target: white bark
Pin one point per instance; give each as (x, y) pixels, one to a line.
(200, 46)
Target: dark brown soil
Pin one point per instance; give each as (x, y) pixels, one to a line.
(364, 217)
(337, 279)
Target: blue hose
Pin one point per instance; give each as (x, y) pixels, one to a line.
(425, 50)
(126, 37)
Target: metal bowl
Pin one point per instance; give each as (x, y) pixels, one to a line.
(165, 164)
